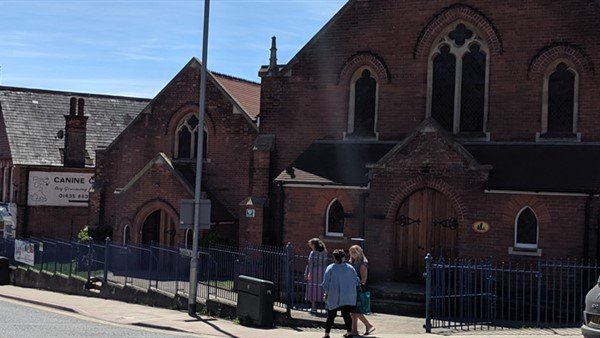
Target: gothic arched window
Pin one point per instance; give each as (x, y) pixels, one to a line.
(458, 81)
(189, 238)
(363, 103)
(559, 113)
(186, 138)
(334, 219)
(126, 235)
(526, 229)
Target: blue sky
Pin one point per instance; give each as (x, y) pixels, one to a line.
(134, 47)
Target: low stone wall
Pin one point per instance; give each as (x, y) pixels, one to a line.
(76, 286)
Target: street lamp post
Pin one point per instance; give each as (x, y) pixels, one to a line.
(200, 144)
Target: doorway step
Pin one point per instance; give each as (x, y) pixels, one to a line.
(403, 299)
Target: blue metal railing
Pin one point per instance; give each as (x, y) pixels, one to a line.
(477, 294)
(167, 268)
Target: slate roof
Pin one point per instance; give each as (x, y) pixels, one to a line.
(538, 167)
(335, 163)
(245, 92)
(33, 117)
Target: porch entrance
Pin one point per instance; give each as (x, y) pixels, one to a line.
(158, 229)
(425, 223)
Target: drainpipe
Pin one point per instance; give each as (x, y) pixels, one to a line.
(587, 230)
(12, 184)
(281, 211)
(363, 221)
(4, 183)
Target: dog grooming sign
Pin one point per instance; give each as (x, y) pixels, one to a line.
(61, 189)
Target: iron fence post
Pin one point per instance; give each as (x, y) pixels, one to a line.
(176, 273)
(41, 256)
(539, 291)
(428, 259)
(106, 258)
(150, 268)
(89, 272)
(289, 282)
(70, 258)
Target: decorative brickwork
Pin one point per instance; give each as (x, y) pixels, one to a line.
(450, 15)
(364, 59)
(541, 61)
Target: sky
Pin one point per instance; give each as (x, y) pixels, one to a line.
(135, 47)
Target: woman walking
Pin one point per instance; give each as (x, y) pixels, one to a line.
(361, 265)
(340, 282)
(313, 274)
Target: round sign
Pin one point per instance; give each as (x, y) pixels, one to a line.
(481, 227)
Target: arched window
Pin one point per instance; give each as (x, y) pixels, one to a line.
(126, 234)
(458, 81)
(186, 138)
(362, 114)
(526, 229)
(189, 238)
(559, 107)
(334, 219)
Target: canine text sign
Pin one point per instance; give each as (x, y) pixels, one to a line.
(59, 188)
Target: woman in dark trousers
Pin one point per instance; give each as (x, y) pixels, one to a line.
(339, 283)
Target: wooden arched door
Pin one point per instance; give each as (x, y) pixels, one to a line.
(425, 223)
(158, 229)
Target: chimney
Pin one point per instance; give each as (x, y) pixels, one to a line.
(273, 68)
(75, 130)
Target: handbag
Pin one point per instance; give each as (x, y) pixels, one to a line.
(363, 302)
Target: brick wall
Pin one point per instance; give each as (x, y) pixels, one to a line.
(226, 172)
(309, 101)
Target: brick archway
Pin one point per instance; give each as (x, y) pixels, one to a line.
(421, 183)
(452, 14)
(149, 208)
(547, 55)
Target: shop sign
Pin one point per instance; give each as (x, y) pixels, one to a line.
(60, 189)
(481, 227)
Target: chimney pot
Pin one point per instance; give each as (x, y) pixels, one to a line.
(80, 104)
(73, 104)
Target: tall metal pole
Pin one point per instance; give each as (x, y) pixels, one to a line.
(200, 144)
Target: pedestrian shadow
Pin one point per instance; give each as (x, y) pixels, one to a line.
(217, 328)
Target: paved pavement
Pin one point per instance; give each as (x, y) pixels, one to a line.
(132, 314)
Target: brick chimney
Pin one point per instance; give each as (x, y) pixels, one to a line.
(75, 130)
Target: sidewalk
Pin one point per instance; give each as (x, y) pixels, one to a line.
(132, 314)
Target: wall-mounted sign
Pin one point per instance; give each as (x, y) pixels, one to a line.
(61, 189)
(250, 213)
(481, 227)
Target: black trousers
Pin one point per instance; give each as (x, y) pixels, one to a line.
(331, 314)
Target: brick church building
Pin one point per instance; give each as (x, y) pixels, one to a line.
(461, 129)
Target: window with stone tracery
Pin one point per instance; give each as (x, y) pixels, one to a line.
(186, 138)
(458, 81)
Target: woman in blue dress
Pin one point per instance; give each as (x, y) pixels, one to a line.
(339, 283)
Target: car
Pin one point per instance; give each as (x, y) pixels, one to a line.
(591, 314)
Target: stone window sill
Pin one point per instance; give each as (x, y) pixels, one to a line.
(334, 239)
(524, 252)
(557, 138)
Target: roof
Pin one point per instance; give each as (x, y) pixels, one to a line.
(34, 116)
(341, 163)
(570, 168)
(245, 92)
